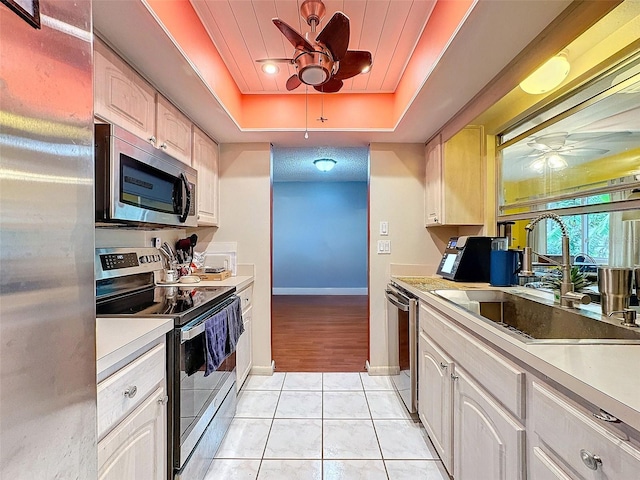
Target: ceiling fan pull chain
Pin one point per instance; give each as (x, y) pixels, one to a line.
(306, 111)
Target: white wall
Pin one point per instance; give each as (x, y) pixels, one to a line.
(245, 218)
(396, 195)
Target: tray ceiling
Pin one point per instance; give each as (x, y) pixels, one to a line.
(243, 32)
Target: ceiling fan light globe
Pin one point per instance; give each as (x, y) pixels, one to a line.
(538, 165)
(556, 162)
(313, 75)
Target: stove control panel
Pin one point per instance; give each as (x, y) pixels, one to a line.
(111, 261)
(115, 262)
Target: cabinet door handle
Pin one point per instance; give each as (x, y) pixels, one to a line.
(591, 460)
(163, 146)
(163, 400)
(454, 377)
(606, 417)
(152, 140)
(443, 365)
(131, 391)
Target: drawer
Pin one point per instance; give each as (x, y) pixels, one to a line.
(544, 468)
(503, 379)
(567, 430)
(143, 375)
(246, 298)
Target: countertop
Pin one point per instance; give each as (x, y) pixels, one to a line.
(605, 374)
(240, 282)
(118, 338)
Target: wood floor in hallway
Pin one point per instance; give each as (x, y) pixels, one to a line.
(319, 333)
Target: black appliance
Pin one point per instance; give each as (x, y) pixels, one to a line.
(200, 408)
(138, 183)
(466, 259)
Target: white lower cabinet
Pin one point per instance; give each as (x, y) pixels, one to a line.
(543, 467)
(132, 418)
(491, 418)
(489, 444)
(580, 442)
(244, 358)
(135, 449)
(434, 374)
(244, 355)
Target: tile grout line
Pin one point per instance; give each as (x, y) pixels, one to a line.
(271, 426)
(375, 432)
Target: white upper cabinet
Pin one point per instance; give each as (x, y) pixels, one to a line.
(454, 193)
(121, 96)
(205, 161)
(124, 98)
(173, 131)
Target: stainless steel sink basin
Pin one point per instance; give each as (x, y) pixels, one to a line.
(536, 321)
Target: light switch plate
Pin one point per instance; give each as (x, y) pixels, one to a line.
(384, 228)
(384, 247)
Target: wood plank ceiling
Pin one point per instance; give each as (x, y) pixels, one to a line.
(243, 32)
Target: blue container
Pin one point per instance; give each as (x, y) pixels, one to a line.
(505, 265)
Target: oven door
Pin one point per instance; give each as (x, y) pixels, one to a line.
(136, 182)
(402, 317)
(194, 398)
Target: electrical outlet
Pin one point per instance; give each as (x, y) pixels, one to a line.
(157, 242)
(384, 228)
(384, 247)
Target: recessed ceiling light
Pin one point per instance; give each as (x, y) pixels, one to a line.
(551, 74)
(324, 164)
(270, 68)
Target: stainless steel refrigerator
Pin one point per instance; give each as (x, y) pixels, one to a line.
(47, 306)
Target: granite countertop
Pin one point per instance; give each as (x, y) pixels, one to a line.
(603, 374)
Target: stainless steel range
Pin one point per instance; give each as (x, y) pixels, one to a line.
(125, 287)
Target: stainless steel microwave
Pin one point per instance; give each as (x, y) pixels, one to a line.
(138, 184)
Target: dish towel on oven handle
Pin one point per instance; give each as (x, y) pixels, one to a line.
(222, 332)
(235, 324)
(215, 348)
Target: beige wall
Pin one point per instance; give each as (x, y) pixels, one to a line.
(396, 195)
(245, 218)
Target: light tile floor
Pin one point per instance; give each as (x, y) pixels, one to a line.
(329, 426)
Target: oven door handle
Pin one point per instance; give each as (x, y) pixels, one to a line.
(187, 334)
(393, 299)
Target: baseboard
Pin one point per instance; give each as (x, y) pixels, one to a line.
(263, 369)
(320, 291)
(383, 370)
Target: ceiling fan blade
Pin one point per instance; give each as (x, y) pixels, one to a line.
(332, 86)
(293, 82)
(294, 37)
(576, 138)
(580, 152)
(353, 63)
(276, 60)
(335, 35)
(539, 146)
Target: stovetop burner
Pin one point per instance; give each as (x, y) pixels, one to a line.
(183, 303)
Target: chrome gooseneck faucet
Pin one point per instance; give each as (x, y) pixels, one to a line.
(568, 298)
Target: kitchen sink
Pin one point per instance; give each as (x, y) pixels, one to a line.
(536, 320)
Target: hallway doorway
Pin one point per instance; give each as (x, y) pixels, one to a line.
(320, 333)
(319, 303)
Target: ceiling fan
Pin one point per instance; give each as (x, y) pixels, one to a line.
(550, 149)
(323, 60)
